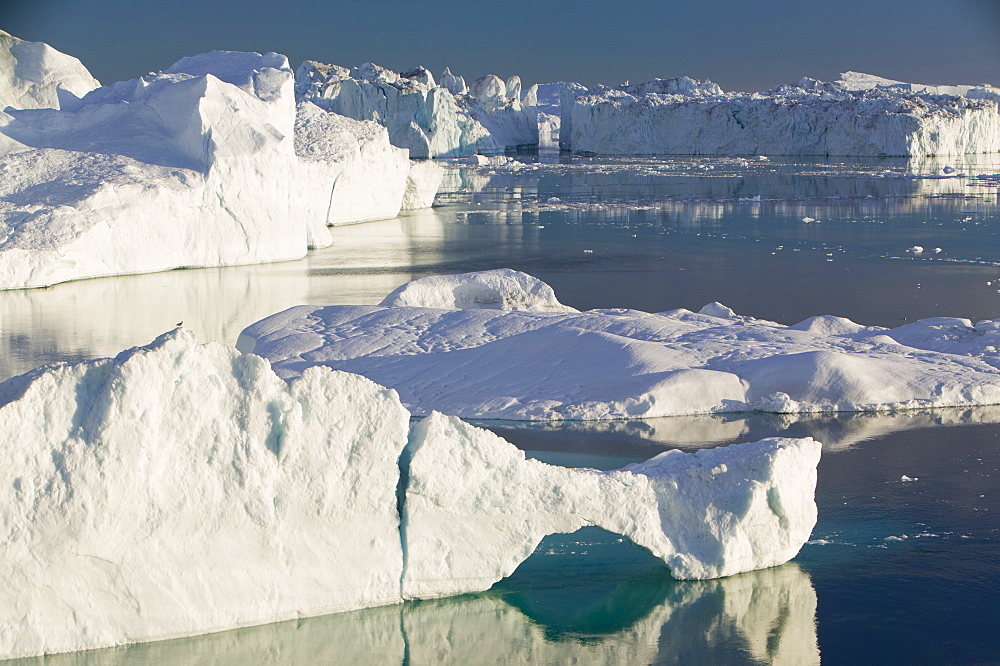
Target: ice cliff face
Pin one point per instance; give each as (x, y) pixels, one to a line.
(181, 489)
(34, 75)
(618, 364)
(430, 120)
(195, 166)
(686, 117)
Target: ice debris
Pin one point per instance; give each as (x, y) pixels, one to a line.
(684, 116)
(180, 489)
(621, 364)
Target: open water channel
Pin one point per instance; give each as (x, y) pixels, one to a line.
(896, 571)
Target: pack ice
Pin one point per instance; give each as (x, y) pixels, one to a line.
(195, 166)
(179, 489)
(525, 360)
(431, 120)
(34, 75)
(857, 116)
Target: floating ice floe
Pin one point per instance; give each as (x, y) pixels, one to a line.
(195, 166)
(431, 120)
(34, 75)
(180, 489)
(683, 116)
(621, 364)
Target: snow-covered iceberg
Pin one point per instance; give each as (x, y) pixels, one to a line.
(620, 364)
(208, 163)
(33, 75)
(431, 120)
(683, 116)
(180, 489)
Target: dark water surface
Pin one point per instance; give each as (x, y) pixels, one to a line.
(897, 571)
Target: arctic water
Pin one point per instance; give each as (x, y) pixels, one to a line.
(903, 563)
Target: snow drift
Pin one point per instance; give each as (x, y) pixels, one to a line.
(181, 489)
(854, 117)
(431, 120)
(34, 75)
(195, 166)
(620, 364)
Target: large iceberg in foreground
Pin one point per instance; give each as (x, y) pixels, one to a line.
(33, 75)
(431, 120)
(618, 364)
(181, 489)
(686, 117)
(208, 163)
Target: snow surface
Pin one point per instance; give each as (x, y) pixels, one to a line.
(621, 364)
(500, 289)
(431, 120)
(33, 75)
(198, 165)
(686, 117)
(182, 488)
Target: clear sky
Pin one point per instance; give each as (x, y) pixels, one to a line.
(739, 44)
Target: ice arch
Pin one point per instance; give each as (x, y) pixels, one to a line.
(475, 508)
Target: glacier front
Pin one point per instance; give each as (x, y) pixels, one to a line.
(458, 356)
(180, 489)
(853, 117)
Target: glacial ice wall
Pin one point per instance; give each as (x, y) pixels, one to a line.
(180, 489)
(33, 75)
(687, 117)
(431, 120)
(619, 364)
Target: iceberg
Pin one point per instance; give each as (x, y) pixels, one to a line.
(430, 120)
(180, 489)
(208, 163)
(441, 354)
(33, 75)
(854, 117)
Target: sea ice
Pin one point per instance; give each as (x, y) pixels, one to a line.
(182, 488)
(620, 364)
(687, 117)
(34, 75)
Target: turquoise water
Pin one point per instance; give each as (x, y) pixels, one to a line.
(898, 571)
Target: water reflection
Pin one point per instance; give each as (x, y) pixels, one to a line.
(612, 444)
(531, 178)
(759, 617)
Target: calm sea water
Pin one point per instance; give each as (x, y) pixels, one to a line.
(900, 571)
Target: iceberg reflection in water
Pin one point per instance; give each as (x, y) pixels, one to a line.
(763, 616)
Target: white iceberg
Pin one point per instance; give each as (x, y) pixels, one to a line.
(686, 117)
(180, 489)
(622, 364)
(33, 75)
(207, 163)
(430, 120)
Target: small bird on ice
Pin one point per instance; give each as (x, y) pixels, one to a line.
(180, 323)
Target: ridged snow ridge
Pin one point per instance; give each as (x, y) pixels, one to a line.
(430, 119)
(448, 354)
(858, 116)
(33, 75)
(180, 489)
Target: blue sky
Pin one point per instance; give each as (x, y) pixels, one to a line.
(740, 44)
